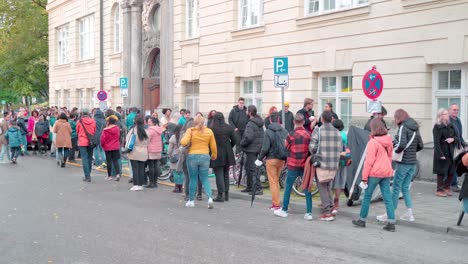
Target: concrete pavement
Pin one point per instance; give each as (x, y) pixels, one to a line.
(48, 215)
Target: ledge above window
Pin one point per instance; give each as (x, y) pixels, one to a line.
(62, 66)
(192, 41)
(248, 31)
(86, 61)
(413, 3)
(333, 16)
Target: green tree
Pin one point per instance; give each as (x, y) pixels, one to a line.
(23, 50)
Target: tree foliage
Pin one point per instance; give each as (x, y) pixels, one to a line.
(23, 50)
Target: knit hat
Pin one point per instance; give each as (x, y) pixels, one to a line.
(286, 103)
(465, 160)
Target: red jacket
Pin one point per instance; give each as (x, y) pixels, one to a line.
(110, 138)
(378, 162)
(90, 125)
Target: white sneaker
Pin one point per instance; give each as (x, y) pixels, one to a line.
(189, 204)
(407, 217)
(139, 188)
(280, 213)
(134, 188)
(308, 217)
(210, 203)
(382, 218)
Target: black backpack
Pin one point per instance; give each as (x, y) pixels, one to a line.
(279, 146)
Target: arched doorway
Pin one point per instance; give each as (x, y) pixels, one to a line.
(152, 82)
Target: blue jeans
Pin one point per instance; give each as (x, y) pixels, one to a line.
(403, 175)
(198, 165)
(386, 194)
(4, 152)
(62, 153)
(465, 205)
(99, 155)
(87, 160)
(15, 152)
(291, 178)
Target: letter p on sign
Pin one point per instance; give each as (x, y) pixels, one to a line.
(280, 66)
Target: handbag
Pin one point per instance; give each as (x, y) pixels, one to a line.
(317, 157)
(130, 144)
(93, 142)
(398, 157)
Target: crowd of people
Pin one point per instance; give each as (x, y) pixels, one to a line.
(314, 148)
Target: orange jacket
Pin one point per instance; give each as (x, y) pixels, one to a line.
(378, 162)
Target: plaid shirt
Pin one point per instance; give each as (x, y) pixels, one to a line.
(298, 147)
(331, 146)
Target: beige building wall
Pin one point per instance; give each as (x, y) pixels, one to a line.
(408, 41)
(76, 83)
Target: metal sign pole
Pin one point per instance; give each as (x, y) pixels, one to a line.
(283, 123)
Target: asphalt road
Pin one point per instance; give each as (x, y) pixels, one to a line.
(48, 215)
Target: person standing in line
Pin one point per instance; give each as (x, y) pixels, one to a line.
(454, 110)
(166, 118)
(309, 119)
(182, 118)
(32, 138)
(268, 120)
(3, 130)
(251, 145)
(110, 142)
(328, 107)
(63, 131)
(288, 116)
(209, 119)
(139, 155)
(225, 142)
(377, 170)
(297, 144)
(86, 125)
(13, 137)
(130, 120)
(155, 148)
(238, 120)
(74, 136)
(99, 154)
(326, 142)
(378, 115)
(52, 119)
(407, 141)
(21, 120)
(445, 140)
(174, 156)
(273, 149)
(41, 130)
(339, 183)
(202, 143)
(182, 164)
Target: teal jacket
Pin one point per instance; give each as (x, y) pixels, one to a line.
(13, 136)
(73, 127)
(130, 120)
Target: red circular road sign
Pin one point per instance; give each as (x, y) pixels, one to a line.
(102, 96)
(372, 84)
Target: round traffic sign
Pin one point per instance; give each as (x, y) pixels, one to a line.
(102, 96)
(372, 84)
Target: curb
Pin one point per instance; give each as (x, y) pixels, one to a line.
(451, 230)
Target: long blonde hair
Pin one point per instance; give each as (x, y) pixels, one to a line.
(440, 112)
(199, 122)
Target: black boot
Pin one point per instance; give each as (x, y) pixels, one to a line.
(359, 223)
(64, 162)
(389, 227)
(219, 198)
(150, 185)
(226, 196)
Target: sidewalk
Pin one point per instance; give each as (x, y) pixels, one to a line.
(432, 213)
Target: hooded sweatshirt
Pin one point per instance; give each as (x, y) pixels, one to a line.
(270, 143)
(110, 138)
(378, 162)
(90, 126)
(252, 140)
(13, 136)
(408, 128)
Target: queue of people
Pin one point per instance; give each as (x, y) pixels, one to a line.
(310, 147)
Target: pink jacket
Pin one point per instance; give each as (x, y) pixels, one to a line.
(155, 144)
(378, 162)
(31, 123)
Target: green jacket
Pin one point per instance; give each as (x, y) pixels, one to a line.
(13, 136)
(73, 127)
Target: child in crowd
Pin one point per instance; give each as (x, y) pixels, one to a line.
(14, 138)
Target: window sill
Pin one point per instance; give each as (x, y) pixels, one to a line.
(248, 31)
(62, 66)
(86, 61)
(192, 41)
(333, 16)
(116, 55)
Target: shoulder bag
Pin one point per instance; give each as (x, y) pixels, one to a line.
(92, 139)
(398, 157)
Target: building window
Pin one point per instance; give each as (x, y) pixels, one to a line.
(318, 7)
(251, 90)
(450, 85)
(66, 95)
(156, 19)
(156, 66)
(81, 99)
(58, 98)
(192, 17)
(336, 89)
(250, 13)
(91, 99)
(86, 38)
(117, 29)
(192, 93)
(62, 45)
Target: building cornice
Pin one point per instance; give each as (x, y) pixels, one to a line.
(53, 4)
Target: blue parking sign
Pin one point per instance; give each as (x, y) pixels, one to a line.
(124, 82)
(280, 66)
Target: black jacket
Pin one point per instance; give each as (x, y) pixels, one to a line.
(252, 139)
(461, 169)
(288, 120)
(443, 149)
(225, 141)
(270, 144)
(41, 128)
(367, 126)
(267, 122)
(238, 118)
(306, 118)
(100, 123)
(408, 128)
(22, 125)
(457, 125)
